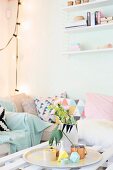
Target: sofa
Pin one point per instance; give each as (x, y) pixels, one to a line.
(96, 107)
(23, 123)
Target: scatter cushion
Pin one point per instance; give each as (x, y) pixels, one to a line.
(18, 99)
(42, 107)
(76, 107)
(3, 125)
(8, 104)
(96, 132)
(99, 106)
(29, 106)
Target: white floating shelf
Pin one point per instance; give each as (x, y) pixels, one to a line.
(89, 5)
(88, 51)
(89, 28)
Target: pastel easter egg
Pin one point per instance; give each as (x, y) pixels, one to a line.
(63, 155)
(74, 157)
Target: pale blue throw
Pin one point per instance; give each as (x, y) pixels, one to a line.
(26, 131)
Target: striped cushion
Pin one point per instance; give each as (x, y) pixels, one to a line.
(3, 125)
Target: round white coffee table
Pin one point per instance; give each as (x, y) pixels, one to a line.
(35, 157)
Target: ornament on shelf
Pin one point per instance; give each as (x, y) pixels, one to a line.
(85, 1)
(77, 2)
(109, 45)
(70, 3)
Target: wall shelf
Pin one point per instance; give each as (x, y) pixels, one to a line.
(89, 28)
(88, 51)
(90, 5)
(85, 6)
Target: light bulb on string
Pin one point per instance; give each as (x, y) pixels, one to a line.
(24, 89)
(27, 6)
(26, 25)
(16, 36)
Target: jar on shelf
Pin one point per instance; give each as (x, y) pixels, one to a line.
(77, 2)
(85, 1)
(70, 3)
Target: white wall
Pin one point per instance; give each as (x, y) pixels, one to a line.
(41, 48)
(44, 71)
(4, 57)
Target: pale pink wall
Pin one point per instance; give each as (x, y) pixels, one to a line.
(4, 55)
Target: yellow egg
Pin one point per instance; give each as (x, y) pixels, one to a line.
(63, 155)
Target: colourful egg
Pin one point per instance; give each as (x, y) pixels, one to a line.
(63, 155)
(74, 157)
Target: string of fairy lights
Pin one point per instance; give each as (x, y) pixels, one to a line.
(15, 35)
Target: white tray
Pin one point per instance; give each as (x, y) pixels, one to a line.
(35, 157)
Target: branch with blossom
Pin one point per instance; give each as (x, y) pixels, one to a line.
(63, 114)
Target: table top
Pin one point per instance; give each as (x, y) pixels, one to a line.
(16, 162)
(35, 156)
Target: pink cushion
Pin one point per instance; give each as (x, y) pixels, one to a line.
(99, 106)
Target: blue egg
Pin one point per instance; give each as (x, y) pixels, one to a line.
(74, 157)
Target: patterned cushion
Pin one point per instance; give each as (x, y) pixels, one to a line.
(42, 107)
(3, 125)
(76, 107)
